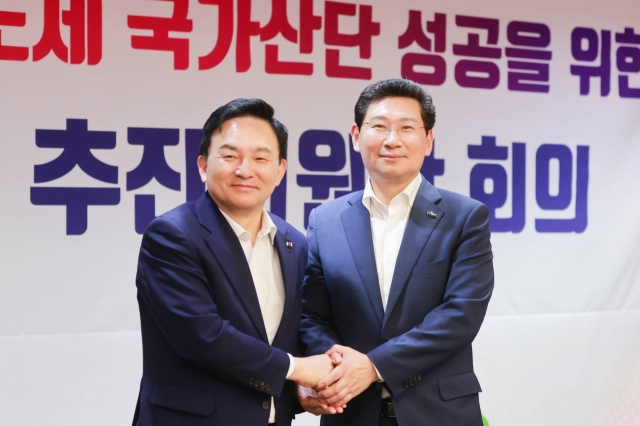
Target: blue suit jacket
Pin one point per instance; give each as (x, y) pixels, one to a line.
(421, 344)
(206, 357)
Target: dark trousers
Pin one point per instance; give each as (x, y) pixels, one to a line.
(388, 421)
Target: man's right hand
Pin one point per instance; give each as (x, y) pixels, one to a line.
(310, 370)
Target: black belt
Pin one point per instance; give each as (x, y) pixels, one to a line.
(386, 408)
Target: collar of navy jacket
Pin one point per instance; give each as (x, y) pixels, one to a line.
(357, 226)
(226, 248)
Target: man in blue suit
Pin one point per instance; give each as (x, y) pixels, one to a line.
(219, 288)
(398, 279)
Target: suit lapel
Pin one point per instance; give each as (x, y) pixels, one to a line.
(227, 250)
(357, 227)
(287, 258)
(419, 229)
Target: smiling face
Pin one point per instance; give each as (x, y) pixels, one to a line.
(392, 158)
(243, 166)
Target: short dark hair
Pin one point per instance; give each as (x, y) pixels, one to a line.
(243, 108)
(396, 87)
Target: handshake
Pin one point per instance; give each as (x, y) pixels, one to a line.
(325, 383)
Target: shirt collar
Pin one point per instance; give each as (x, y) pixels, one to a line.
(268, 227)
(409, 192)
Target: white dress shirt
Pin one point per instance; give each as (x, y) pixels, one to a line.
(387, 229)
(267, 278)
(388, 224)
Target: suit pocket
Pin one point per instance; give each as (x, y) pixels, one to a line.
(459, 385)
(183, 399)
(423, 269)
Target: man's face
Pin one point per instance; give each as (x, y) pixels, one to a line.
(397, 156)
(243, 166)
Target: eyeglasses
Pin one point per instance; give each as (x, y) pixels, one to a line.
(405, 131)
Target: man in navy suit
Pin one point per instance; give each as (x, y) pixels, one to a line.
(219, 288)
(398, 279)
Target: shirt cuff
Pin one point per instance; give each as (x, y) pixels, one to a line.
(292, 366)
(380, 379)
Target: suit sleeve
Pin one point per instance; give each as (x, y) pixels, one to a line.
(454, 324)
(173, 286)
(316, 330)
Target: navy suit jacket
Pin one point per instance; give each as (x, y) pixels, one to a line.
(421, 344)
(206, 357)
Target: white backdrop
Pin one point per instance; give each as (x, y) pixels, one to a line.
(561, 341)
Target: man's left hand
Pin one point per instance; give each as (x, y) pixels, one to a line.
(349, 379)
(310, 402)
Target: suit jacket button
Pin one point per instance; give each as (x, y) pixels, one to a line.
(268, 387)
(266, 405)
(251, 381)
(261, 385)
(419, 377)
(406, 384)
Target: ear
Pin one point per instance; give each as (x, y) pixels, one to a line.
(282, 168)
(429, 147)
(202, 168)
(355, 137)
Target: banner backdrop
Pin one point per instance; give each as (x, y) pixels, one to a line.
(538, 116)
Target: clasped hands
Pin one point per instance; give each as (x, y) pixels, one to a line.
(325, 383)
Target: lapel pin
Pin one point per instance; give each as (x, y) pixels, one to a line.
(289, 244)
(431, 214)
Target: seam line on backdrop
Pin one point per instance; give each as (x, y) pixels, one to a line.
(611, 311)
(137, 331)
